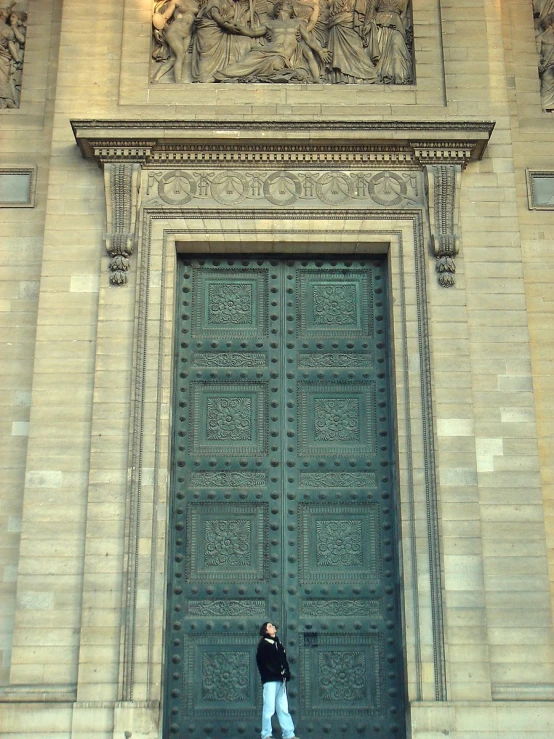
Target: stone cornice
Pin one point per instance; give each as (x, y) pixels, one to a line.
(175, 152)
(406, 144)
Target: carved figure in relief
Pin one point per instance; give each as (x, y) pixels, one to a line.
(545, 43)
(218, 40)
(384, 33)
(274, 671)
(12, 43)
(177, 35)
(337, 41)
(278, 59)
(542, 8)
(307, 11)
(349, 60)
(320, 21)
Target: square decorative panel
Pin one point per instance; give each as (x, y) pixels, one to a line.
(344, 673)
(226, 542)
(228, 419)
(336, 419)
(540, 189)
(333, 302)
(227, 304)
(220, 674)
(17, 187)
(338, 543)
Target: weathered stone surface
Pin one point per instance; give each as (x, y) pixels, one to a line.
(86, 366)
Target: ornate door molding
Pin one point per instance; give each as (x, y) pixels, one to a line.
(283, 164)
(261, 184)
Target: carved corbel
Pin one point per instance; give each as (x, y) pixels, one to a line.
(122, 186)
(443, 191)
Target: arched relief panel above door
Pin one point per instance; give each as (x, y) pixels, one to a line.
(206, 164)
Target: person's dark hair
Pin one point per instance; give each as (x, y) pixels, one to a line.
(279, 6)
(263, 627)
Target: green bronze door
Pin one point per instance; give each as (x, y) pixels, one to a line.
(283, 500)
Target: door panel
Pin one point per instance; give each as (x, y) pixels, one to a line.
(282, 497)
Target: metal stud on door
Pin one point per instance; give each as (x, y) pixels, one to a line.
(282, 497)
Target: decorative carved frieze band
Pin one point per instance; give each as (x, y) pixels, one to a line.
(449, 153)
(122, 185)
(268, 156)
(284, 187)
(443, 183)
(153, 143)
(283, 163)
(138, 151)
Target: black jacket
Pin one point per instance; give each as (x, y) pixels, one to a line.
(272, 660)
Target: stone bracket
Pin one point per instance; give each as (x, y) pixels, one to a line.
(443, 188)
(442, 149)
(122, 186)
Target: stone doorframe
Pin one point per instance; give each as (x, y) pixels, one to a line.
(232, 187)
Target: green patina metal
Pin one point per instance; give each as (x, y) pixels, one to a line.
(283, 497)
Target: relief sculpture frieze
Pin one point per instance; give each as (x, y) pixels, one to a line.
(286, 41)
(13, 26)
(178, 187)
(543, 12)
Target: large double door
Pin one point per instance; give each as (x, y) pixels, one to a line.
(283, 498)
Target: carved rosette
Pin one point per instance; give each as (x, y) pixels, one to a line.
(122, 184)
(443, 182)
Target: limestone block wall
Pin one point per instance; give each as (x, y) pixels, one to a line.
(25, 141)
(533, 139)
(66, 336)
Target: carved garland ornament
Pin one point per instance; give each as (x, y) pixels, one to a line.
(285, 187)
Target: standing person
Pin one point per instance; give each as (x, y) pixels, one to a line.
(274, 671)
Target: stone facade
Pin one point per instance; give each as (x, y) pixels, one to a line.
(89, 235)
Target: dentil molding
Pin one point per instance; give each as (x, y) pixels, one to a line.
(439, 149)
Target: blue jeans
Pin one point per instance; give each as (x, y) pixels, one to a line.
(275, 699)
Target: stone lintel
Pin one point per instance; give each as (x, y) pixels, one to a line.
(142, 141)
(442, 149)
